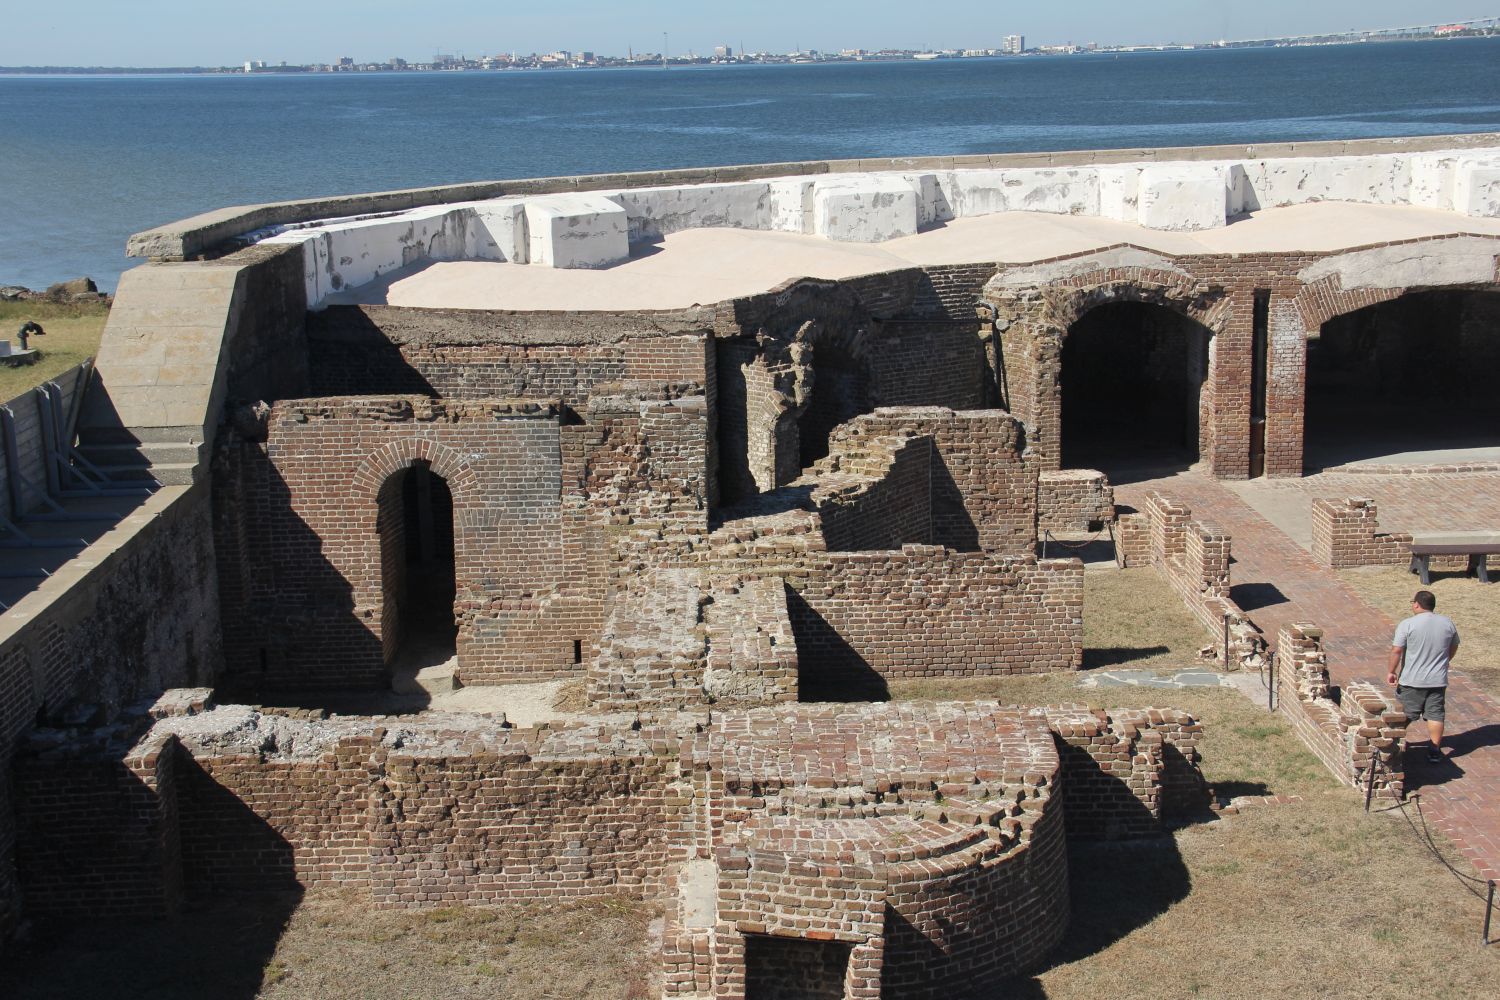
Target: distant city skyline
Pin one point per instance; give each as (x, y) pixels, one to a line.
(192, 33)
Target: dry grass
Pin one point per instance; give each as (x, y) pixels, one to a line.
(334, 945)
(1473, 606)
(73, 331)
(1312, 899)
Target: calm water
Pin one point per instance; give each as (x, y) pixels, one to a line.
(85, 161)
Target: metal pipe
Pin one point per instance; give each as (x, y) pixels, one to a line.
(1370, 775)
(1489, 909)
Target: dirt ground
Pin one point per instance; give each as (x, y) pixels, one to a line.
(73, 332)
(1473, 606)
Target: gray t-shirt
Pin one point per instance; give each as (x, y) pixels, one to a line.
(1427, 639)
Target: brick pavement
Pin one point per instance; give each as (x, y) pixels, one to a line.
(1277, 582)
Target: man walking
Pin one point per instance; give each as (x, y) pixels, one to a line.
(1426, 642)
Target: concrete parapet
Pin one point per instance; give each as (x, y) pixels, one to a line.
(865, 209)
(1182, 197)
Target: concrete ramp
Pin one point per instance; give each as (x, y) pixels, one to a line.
(160, 380)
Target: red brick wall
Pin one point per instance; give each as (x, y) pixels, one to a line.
(1347, 533)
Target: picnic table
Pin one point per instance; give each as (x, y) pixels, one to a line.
(1477, 545)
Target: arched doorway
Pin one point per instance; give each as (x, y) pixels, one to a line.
(1132, 384)
(418, 581)
(1409, 381)
(840, 392)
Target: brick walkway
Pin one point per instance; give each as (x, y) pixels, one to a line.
(1277, 582)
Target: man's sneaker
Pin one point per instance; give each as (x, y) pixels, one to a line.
(1435, 756)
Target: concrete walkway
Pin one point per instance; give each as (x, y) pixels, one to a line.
(1277, 583)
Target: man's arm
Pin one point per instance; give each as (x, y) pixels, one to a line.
(1397, 653)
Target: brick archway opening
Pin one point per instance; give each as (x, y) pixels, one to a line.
(1132, 388)
(1408, 381)
(417, 568)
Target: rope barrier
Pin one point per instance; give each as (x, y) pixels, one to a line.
(1047, 536)
(1425, 837)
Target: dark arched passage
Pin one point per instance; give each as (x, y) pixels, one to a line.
(840, 392)
(417, 575)
(1132, 382)
(1412, 380)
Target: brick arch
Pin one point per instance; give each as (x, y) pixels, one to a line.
(385, 461)
(1041, 318)
(1324, 300)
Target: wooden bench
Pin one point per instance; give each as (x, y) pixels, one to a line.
(1477, 545)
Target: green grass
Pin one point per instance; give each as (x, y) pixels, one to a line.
(73, 331)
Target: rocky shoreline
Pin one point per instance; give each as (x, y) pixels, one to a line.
(76, 290)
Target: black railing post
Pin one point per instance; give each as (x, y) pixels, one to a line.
(1489, 908)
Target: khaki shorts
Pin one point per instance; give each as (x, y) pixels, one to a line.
(1422, 703)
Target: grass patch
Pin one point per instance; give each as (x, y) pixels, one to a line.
(73, 332)
(1133, 620)
(1473, 606)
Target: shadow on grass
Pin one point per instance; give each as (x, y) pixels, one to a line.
(1111, 656)
(1115, 888)
(219, 950)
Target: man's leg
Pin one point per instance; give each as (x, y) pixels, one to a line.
(1435, 733)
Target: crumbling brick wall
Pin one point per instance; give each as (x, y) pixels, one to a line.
(1349, 730)
(1125, 772)
(1347, 533)
(1074, 500)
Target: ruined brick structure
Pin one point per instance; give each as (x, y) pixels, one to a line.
(732, 526)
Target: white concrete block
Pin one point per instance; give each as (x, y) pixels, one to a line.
(1183, 196)
(498, 231)
(1072, 191)
(932, 200)
(1119, 192)
(1372, 180)
(1432, 179)
(976, 192)
(658, 211)
(1240, 196)
(866, 208)
(790, 209)
(584, 230)
(346, 254)
(1476, 186)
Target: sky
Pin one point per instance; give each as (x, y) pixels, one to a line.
(218, 33)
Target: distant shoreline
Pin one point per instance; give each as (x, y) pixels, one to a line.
(790, 59)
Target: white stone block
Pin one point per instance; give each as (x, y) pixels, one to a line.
(1476, 186)
(1183, 196)
(790, 208)
(347, 254)
(865, 208)
(498, 231)
(1119, 192)
(658, 211)
(576, 231)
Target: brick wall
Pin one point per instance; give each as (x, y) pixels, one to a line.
(142, 618)
(1127, 771)
(1194, 559)
(1074, 500)
(1349, 730)
(1347, 533)
(925, 611)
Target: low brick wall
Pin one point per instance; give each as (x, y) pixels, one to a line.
(1194, 559)
(1348, 730)
(1126, 772)
(1074, 500)
(1347, 533)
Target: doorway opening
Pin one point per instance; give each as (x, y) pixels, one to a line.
(418, 579)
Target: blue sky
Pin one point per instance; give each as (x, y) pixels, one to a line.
(215, 32)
